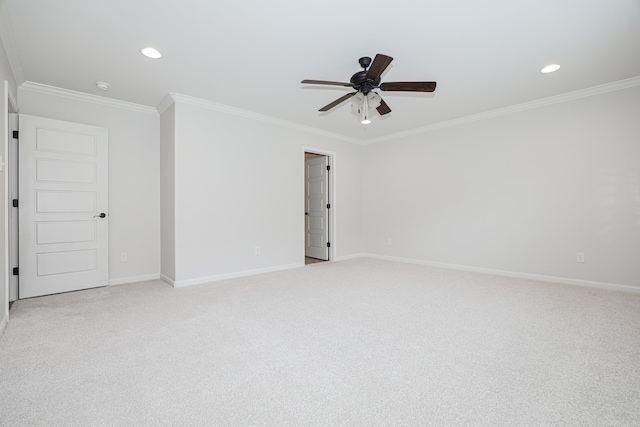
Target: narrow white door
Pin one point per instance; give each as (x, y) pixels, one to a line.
(317, 213)
(63, 206)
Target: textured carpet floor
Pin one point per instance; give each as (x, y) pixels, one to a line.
(354, 343)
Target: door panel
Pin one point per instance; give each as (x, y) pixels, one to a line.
(52, 232)
(65, 262)
(63, 190)
(317, 215)
(65, 201)
(60, 171)
(64, 142)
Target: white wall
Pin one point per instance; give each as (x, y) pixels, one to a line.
(167, 194)
(239, 183)
(134, 177)
(522, 192)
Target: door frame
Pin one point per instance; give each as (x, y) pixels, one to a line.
(10, 181)
(331, 197)
(13, 236)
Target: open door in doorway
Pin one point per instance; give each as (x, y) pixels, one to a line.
(317, 207)
(63, 204)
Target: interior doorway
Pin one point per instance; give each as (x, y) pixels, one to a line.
(317, 207)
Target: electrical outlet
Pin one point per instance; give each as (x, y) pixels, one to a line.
(257, 250)
(580, 256)
(389, 241)
(123, 257)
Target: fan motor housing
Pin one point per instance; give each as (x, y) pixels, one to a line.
(359, 80)
(361, 83)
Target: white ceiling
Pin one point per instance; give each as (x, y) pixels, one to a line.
(252, 55)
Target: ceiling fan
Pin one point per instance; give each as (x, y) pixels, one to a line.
(364, 98)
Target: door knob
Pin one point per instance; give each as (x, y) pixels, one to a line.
(102, 215)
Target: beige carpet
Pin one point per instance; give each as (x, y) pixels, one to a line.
(354, 343)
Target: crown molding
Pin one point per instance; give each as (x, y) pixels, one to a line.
(86, 97)
(13, 102)
(6, 36)
(203, 103)
(174, 97)
(167, 102)
(566, 97)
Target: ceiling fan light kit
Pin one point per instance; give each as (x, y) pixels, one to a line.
(365, 81)
(362, 104)
(373, 100)
(365, 110)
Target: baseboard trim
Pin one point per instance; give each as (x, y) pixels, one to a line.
(201, 280)
(133, 279)
(538, 277)
(168, 280)
(348, 257)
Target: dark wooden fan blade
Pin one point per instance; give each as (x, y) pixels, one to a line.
(337, 101)
(324, 82)
(380, 63)
(409, 86)
(383, 108)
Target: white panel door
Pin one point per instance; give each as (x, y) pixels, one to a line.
(63, 206)
(317, 214)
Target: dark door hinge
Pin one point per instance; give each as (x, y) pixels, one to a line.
(15, 134)
(328, 205)
(328, 167)
(328, 244)
(16, 271)
(15, 203)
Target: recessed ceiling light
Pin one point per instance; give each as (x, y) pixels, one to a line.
(102, 85)
(150, 52)
(550, 68)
